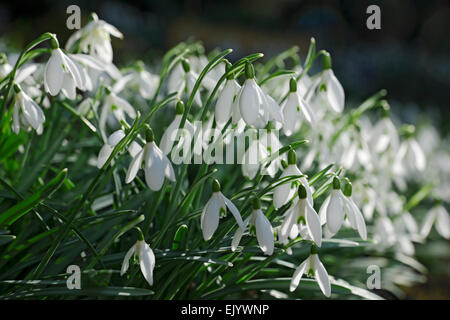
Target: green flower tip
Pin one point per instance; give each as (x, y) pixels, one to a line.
(314, 249)
(140, 234)
(3, 58)
(54, 44)
(93, 17)
(108, 90)
(270, 126)
(336, 183)
(186, 66)
(292, 85)
(140, 65)
(437, 201)
(149, 136)
(292, 157)
(16, 88)
(347, 188)
(180, 107)
(249, 70)
(326, 61)
(302, 192)
(216, 185)
(256, 204)
(284, 163)
(408, 130)
(384, 105)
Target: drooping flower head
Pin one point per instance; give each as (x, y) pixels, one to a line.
(156, 165)
(141, 251)
(216, 208)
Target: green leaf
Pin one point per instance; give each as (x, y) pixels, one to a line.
(14, 213)
(93, 292)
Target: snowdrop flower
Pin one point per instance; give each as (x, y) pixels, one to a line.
(410, 156)
(314, 268)
(182, 80)
(332, 210)
(5, 67)
(95, 39)
(301, 214)
(294, 110)
(216, 208)
(111, 142)
(352, 212)
(171, 134)
(260, 225)
(259, 150)
(330, 88)
(438, 216)
(256, 107)
(156, 165)
(283, 193)
(384, 134)
(116, 107)
(27, 112)
(226, 102)
(145, 82)
(142, 251)
(62, 73)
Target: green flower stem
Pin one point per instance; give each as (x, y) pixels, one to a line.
(12, 75)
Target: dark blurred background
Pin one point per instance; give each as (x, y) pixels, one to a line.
(409, 56)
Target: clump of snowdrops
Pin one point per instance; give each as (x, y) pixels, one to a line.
(333, 189)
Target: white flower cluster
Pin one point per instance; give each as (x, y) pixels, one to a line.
(379, 159)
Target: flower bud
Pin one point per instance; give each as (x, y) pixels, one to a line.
(186, 66)
(3, 58)
(336, 183)
(314, 249)
(256, 204)
(302, 194)
(326, 61)
(149, 137)
(347, 190)
(215, 185)
(249, 70)
(180, 107)
(292, 85)
(292, 157)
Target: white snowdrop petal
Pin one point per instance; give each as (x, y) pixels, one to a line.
(224, 104)
(54, 73)
(147, 262)
(428, 223)
(249, 102)
(170, 135)
(443, 222)
(323, 210)
(126, 260)
(335, 93)
(103, 155)
(291, 116)
(360, 223)
(297, 276)
(335, 214)
(322, 277)
(420, 160)
(168, 169)
(264, 233)
(115, 137)
(210, 220)
(234, 210)
(313, 224)
(154, 168)
(134, 166)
